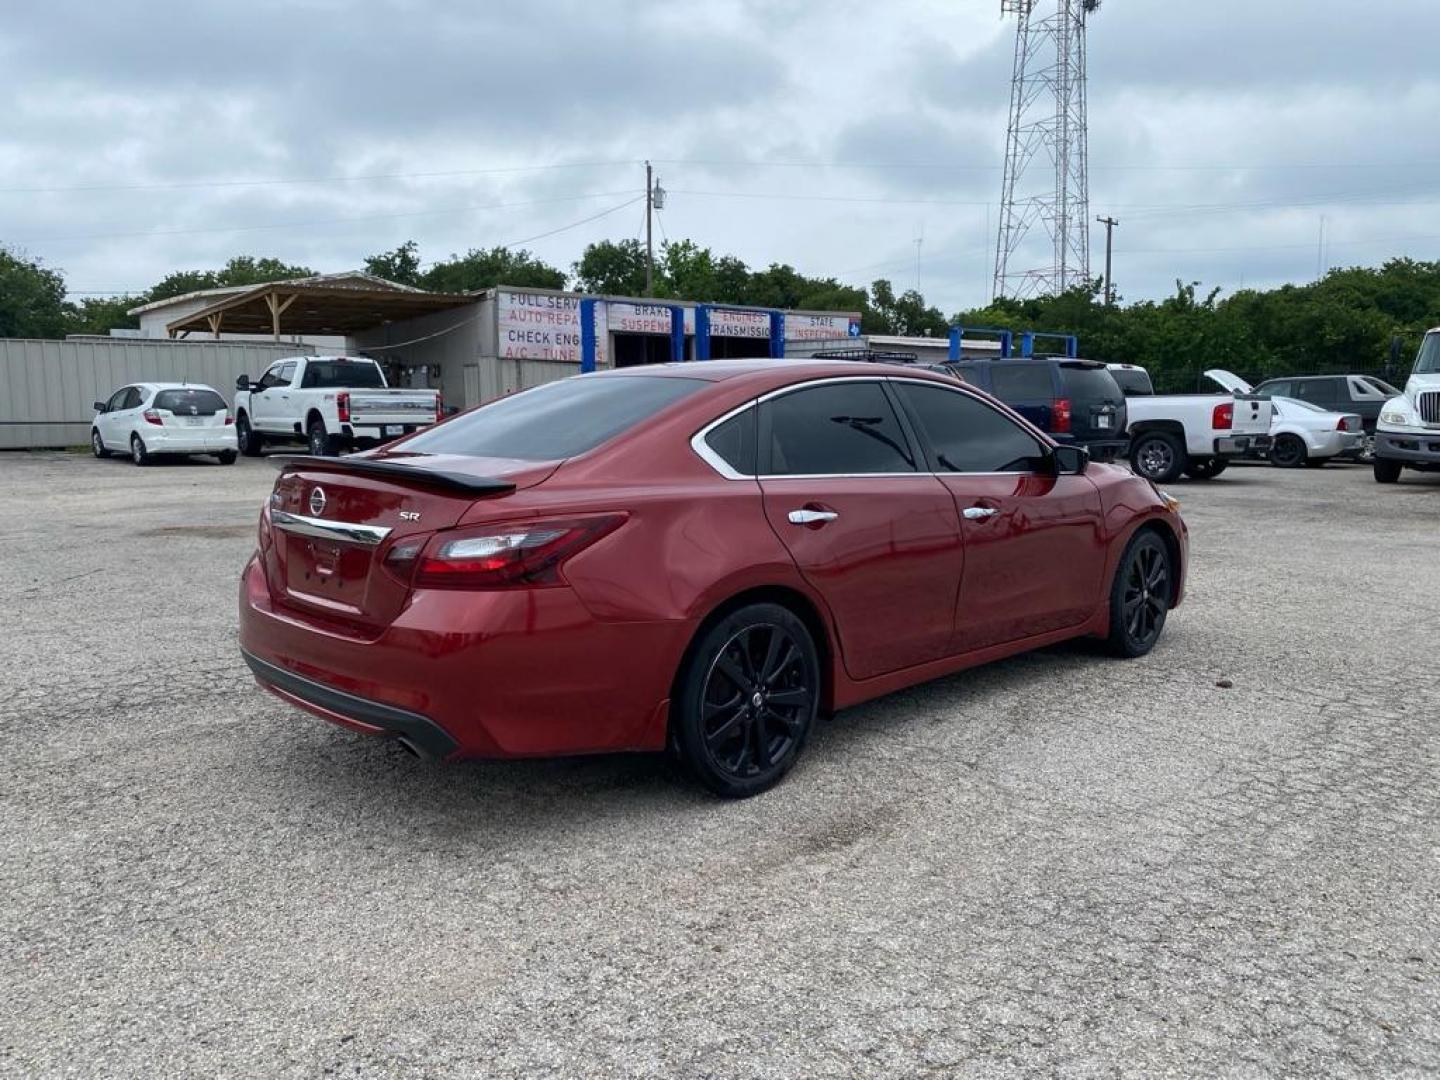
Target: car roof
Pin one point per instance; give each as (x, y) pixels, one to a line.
(170, 386)
(779, 371)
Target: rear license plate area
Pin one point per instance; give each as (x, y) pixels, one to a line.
(394, 429)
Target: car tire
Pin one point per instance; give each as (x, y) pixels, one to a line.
(138, 454)
(1207, 469)
(1289, 452)
(1157, 456)
(97, 444)
(320, 444)
(1140, 595)
(227, 457)
(1387, 470)
(746, 699)
(247, 438)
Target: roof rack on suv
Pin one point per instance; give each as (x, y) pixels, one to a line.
(874, 356)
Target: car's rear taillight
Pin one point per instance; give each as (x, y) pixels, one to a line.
(1344, 424)
(229, 419)
(439, 405)
(1060, 416)
(522, 554)
(152, 417)
(342, 407)
(1222, 418)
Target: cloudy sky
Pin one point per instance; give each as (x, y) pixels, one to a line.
(143, 136)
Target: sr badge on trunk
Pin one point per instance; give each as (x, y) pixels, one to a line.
(317, 501)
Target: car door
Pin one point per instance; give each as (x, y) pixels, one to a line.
(270, 407)
(1035, 542)
(107, 421)
(871, 530)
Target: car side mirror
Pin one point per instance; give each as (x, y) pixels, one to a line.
(242, 383)
(1069, 460)
(100, 406)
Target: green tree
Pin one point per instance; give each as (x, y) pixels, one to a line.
(478, 269)
(241, 270)
(612, 268)
(101, 314)
(32, 298)
(401, 265)
(906, 314)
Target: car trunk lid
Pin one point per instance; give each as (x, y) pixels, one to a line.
(339, 528)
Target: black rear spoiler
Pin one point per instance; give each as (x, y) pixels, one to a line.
(389, 470)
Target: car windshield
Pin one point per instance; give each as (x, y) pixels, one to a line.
(190, 402)
(1428, 362)
(557, 420)
(354, 374)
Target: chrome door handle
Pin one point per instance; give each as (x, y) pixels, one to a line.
(980, 513)
(811, 517)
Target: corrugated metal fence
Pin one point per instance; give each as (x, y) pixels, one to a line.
(47, 388)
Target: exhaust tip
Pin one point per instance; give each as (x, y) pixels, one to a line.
(411, 749)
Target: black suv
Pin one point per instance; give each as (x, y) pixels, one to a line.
(1073, 401)
(1363, 394)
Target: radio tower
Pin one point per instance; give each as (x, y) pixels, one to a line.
(1047, 121)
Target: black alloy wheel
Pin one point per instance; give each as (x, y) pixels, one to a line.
(246, 437)
(1140, 597)
(1157, 456)
(1288, 452)
(318, 440)
(749, 695)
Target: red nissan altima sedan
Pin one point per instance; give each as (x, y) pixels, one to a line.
(700, 557)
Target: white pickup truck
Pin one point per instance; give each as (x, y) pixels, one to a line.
(1194, 434)
(333, 403)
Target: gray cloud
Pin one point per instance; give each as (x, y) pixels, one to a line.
(1219, 138)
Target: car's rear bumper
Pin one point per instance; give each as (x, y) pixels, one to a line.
(1099, 449)
(199, 441)
(504, 673)
(1240, 445)
(369, 433)
(1410, 448)
(350, 710)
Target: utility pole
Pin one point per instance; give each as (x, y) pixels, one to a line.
(649, 243)
(1109, 223)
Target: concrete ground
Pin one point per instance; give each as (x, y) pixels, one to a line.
(1222, 860)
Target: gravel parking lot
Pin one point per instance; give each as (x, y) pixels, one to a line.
(1221, 860)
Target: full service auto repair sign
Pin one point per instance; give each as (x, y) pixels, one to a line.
(538, 326)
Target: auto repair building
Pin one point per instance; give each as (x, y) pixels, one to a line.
(475, 347)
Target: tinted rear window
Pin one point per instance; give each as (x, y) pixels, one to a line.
(1022, 382)
(1133, 382)
(557, 420)
(1089, 382)
(359, 374)
(190, 402)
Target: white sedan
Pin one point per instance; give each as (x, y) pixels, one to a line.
(145, 420)
(1305, 434)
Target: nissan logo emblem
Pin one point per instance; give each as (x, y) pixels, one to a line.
(317, 501)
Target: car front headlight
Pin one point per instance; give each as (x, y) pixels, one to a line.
(1394, 416)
